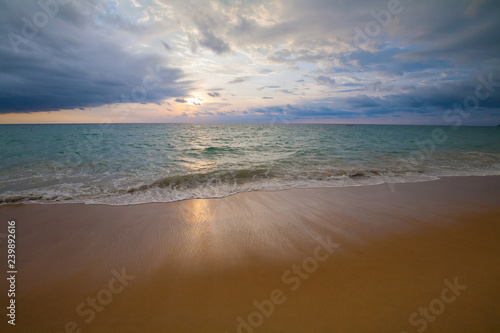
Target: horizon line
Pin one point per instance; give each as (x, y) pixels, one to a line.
(251, 123)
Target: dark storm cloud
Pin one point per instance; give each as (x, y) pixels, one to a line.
(362, 101)
(323, 111)
(393, 61)
(305, 111)
(75, 60)
(483, 90)
(477, 94)
(460, 31)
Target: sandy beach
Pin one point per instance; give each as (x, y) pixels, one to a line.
(413, 257)
(257, 166)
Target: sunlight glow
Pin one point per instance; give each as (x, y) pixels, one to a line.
(194, 101)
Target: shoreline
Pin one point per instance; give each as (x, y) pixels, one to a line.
(438, 178)
(352, 259)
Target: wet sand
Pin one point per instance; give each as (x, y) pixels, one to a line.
(361, 259)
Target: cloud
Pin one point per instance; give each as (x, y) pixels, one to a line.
(305, 111)
(205, 35)
(135, 3)
(267, 97)
(65, 66)
(268, 87)
(460, 33)
(324, 80)
(93, 53)
(282, 56)
(180, 100)
(239, 80)
(362, 101)
(214, 43)
(166, 46)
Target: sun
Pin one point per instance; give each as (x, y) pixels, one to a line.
(194, 101)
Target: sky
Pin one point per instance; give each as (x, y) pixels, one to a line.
(269, 61)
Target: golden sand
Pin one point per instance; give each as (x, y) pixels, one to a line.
(408, 257)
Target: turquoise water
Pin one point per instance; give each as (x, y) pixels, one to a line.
(140, 163)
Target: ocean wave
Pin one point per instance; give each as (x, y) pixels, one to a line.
(245, 176)
(19, 199)
(190, 181)
(160, 163)
(222, 184)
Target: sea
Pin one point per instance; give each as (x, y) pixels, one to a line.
(122, 164)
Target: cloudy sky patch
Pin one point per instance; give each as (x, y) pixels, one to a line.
(308, 61)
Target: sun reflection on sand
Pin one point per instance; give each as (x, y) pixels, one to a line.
(198, 211)
(199, 239)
